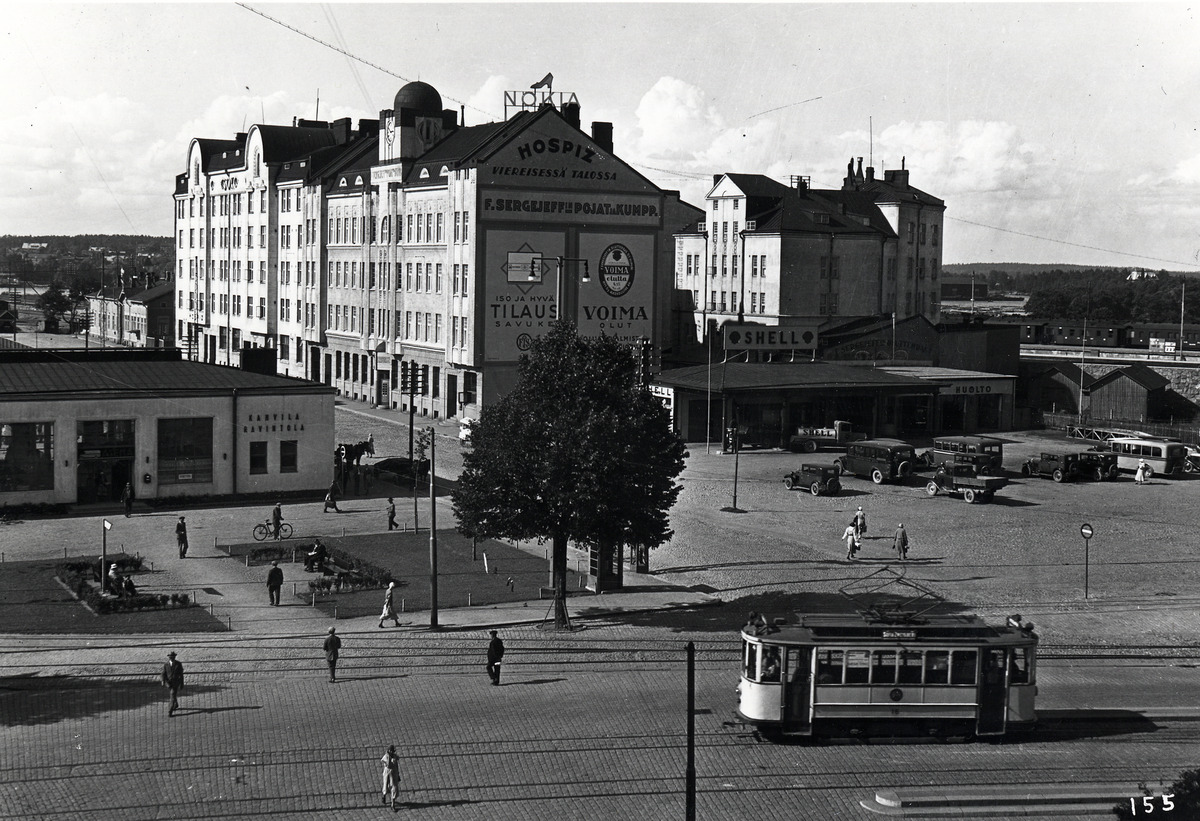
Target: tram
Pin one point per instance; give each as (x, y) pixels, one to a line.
(875, 673)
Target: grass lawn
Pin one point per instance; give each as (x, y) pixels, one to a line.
(513, 575)
(31, 601)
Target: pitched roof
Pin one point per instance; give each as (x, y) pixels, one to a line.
(154, 292)
(67, 379)
(745, 376)
(1149, 379)
(1071, 371)
(758, 185)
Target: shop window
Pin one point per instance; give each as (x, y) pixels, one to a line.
(258, 457)
(288, 456)
(185, 451)
(26, 456)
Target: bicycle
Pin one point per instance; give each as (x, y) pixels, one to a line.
(266, 530)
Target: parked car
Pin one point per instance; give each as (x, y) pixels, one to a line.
(1098, 465)
(807, 440)
(881, 459)
(821, 480)
(1061, 467)
(985, 453)
(962, 480)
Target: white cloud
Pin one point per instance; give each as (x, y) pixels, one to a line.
(487, 104)
(675, 121)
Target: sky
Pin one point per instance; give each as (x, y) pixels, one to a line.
(1054, 132)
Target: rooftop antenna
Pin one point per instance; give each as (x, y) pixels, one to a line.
(871, 143)
(317, 114)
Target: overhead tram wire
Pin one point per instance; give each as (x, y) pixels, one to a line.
(353, 56)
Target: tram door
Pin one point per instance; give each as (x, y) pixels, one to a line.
(993, 692)
(797, 695)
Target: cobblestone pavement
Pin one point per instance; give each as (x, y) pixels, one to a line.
(586, 725)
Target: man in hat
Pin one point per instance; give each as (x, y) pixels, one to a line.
(332, 645)
(391, 511)
(172, 678)
(274, 582)
(181, 537)
(276, 519)
(901, 542)
(495, 653)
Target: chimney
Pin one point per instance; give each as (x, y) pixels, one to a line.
(858, 175)
(870, 173)
(570, 113)
(341, 130)
(449, 120)
(602, 135)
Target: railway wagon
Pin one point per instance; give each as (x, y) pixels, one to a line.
(860, 675)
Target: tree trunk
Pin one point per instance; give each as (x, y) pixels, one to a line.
(558, 571)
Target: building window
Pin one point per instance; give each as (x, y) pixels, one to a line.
(185, 451)
(258, 457)
(288, 456)
(27, 455)
(934, 235)
(466, 225)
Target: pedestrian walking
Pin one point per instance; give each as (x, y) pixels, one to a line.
(274, 582)
(172, 679)
(860, 526)
(850, 536)
(495, 653)
(331, 498)
(901, 542)
(1139, 476)
(389, 608)
(276, 519)
(332, 645)
(127, 498)
(391, 777)
(181, 537)
(391, 512)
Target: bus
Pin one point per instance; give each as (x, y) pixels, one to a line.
(1164, 457)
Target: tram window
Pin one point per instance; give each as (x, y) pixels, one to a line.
(829, 667)
(1018, 666)
(993, 666)
(751, 661)
(937, 667)
(771, 664)
(883, 667)
(910, 667)
(962, 667)
(857, 666)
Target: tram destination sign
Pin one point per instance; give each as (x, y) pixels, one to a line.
(899, 634)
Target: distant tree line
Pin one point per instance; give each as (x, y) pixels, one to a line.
(1105, 295)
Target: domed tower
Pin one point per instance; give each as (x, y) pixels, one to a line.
(415, 124)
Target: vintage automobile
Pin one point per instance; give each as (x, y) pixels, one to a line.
(962, 480)
(1061, 467)
(1098, 465)
(820, 480)
(881, 459)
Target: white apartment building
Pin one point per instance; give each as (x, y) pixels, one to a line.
(418, 242)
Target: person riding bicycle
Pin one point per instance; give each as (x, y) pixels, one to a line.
(276, 519)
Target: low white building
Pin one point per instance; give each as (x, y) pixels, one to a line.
(76, 426)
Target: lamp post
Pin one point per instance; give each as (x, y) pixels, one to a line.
(1085, 531)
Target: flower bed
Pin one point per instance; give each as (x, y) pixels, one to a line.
(78, 577)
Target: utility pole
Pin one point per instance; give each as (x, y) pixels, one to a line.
(433, 580)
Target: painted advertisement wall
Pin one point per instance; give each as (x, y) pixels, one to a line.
(552, 204)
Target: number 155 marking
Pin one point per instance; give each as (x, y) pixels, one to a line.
(1148, 803)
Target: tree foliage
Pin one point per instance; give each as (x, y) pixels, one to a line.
(576, 451)
(54, 302)
(1106, 295)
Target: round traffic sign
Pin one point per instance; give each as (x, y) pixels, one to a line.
(1086, 531)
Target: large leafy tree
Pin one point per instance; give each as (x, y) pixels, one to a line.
(578, 450)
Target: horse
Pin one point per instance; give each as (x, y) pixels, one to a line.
(347, 456)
